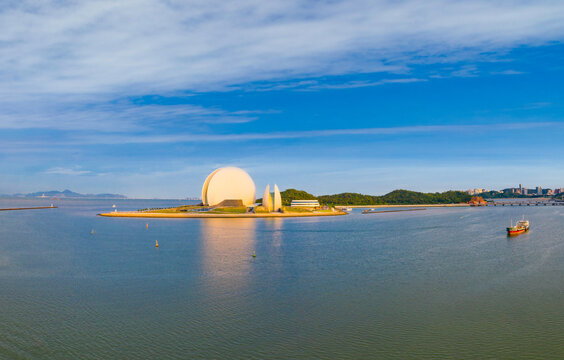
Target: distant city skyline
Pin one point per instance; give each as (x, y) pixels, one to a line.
(146, 99)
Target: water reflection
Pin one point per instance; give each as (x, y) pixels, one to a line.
(227, 246)
(275, 225)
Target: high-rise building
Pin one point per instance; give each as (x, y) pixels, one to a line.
(539, 190)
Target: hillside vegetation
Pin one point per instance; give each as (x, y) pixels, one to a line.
(396, 197)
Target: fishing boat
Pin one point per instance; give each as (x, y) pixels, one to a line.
(520, 227)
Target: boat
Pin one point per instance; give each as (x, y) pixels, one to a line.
(520, 227)
(347, 209)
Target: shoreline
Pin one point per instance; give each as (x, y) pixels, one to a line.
(390, 211)
(401, 206)
(135, 214)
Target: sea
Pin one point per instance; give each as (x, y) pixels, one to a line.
(444, 283)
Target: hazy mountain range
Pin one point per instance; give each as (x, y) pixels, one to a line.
(66, 194)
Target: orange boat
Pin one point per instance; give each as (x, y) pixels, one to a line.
(519, 228)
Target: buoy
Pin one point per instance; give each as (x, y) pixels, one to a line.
(254, 255)
(147, 226)
(92, 232)
(156, 243)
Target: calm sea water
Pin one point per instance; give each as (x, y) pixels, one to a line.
(440, 283)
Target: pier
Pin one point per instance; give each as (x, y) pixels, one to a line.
(29, 208)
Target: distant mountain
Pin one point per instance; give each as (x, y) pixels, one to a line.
(67, 194)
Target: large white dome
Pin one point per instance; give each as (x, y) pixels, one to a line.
(228, 183)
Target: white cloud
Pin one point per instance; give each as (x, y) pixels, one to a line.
(398, 130)
(359, 84)
(70, 65)
(66, 171)
(508, 72)
(151, 46)
(65, 114)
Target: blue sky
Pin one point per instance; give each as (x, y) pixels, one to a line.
(145, 98)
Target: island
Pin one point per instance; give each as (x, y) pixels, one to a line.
(229, 192)
(201, 212)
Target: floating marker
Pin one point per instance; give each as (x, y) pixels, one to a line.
(147, 226)
(254, 255)
(92, 232)
(156, 243)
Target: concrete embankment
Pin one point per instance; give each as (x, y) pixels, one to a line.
(29, 208)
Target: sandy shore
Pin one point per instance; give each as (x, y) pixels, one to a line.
(138, 214)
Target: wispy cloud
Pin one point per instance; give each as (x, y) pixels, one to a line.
(63, 65)
(399, 130)
(508, 72)
(70, 114)
(150, 46)
(531, 106)
(360, 84)
(66, 171)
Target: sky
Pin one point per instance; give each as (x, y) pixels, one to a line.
(147, 97)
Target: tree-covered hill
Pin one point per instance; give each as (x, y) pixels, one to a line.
(350, 199)
(396, 197)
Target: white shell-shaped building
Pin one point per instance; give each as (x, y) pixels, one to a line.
(228, 183)
(277, 199)
(266, 200)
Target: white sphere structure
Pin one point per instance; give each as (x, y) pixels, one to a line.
(228, 183)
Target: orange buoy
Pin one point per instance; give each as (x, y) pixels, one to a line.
(147, 226)
(156, 243)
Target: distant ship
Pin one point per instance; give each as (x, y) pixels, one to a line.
(519, 228)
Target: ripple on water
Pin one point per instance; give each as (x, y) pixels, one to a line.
(403, 286)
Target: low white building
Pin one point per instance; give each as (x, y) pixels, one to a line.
(305, 203)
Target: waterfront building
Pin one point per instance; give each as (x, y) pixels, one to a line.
(305, 203)
(277, 201)
(228, 185)
(266, 201)
(539, 190)
(476, 191)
